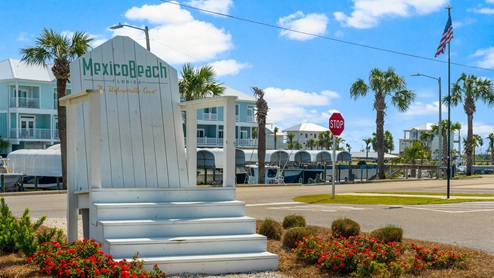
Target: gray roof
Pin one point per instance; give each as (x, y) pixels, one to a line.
(16, 69)
(241, 96)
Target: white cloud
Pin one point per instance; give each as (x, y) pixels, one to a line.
(311, 23)
(228, 67)
(160, 14)
(288, 107)
(486, 57)
(420, 108)
(368, 13)
(176, 36)
(24, 37)
(484, 11)
(219, 6)
(479, 128)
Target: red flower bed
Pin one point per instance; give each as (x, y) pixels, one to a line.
(85, 258)
(366, 256)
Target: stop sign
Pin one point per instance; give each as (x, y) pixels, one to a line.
(336, 124)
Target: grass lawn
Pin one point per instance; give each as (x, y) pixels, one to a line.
(361, 199)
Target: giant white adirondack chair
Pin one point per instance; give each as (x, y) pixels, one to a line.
(130, 177)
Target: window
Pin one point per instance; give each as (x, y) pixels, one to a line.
(200, 133)
(250, 114)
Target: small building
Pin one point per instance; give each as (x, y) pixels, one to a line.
(304, 132)
(412, 134)
(28, 106)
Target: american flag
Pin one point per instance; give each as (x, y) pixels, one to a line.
(446, 38)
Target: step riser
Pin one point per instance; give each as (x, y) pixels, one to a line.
(170, 211)
(162, 195)
(213, 267)
(130, 230)
(186, 249)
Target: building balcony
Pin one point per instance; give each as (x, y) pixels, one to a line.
(24, 102)
(210, 117)
(34, 133)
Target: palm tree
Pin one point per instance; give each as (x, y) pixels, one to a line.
(417, 151)
(275, 130)
(367, 147)
(325, 139)
(491, 146)
(290, 137)
(338, 140)
(199, 83)
(476, 142)
(467, 90)
(261, 114)
(311, 143)
(444, 130)
(59, 49)
(4, 144)
(348, 147)
(383, 83)
(388, 144)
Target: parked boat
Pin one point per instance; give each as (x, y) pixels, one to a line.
(43, 183)
(273, 175)
(11, 180)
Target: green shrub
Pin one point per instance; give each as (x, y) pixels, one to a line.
(295, 234)
(271, 229)
(19, 234)
(293, 220)
(345, 227)
(389, 233)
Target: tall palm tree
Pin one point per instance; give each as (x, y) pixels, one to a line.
(491, 146)
(59, 49)
(261, 116)
(444, 130)
(467, 90)
(383, 84)
(275, 130)
(199, 83)
(367, 147)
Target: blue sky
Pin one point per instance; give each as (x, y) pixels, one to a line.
(305, 77)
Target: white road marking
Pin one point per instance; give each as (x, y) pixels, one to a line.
(273, 204)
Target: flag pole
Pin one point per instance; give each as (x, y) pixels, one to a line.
(449, 115)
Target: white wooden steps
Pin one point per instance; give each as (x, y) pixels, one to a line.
(194, 230)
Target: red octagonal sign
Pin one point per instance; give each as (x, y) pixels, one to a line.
(336, 124)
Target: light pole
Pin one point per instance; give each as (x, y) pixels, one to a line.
(145, 29)
(440, 147)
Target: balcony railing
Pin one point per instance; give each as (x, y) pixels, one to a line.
(218, 142)
(251, 119)
(210, 117)
(37, 133)
(24, 102)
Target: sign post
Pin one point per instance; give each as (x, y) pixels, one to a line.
(336, 126)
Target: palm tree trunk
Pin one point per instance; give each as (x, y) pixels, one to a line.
(492, 155)
(468, 149)
(62, 131)
(380, 143)
(261, 152)
(445, 148)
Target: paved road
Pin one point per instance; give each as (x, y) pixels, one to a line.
(465, 224)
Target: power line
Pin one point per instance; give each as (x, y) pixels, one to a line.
(323, 37)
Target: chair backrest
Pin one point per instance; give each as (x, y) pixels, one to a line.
(141, 133)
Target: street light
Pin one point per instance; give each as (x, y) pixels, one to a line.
(145, 29)
(440, 121)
